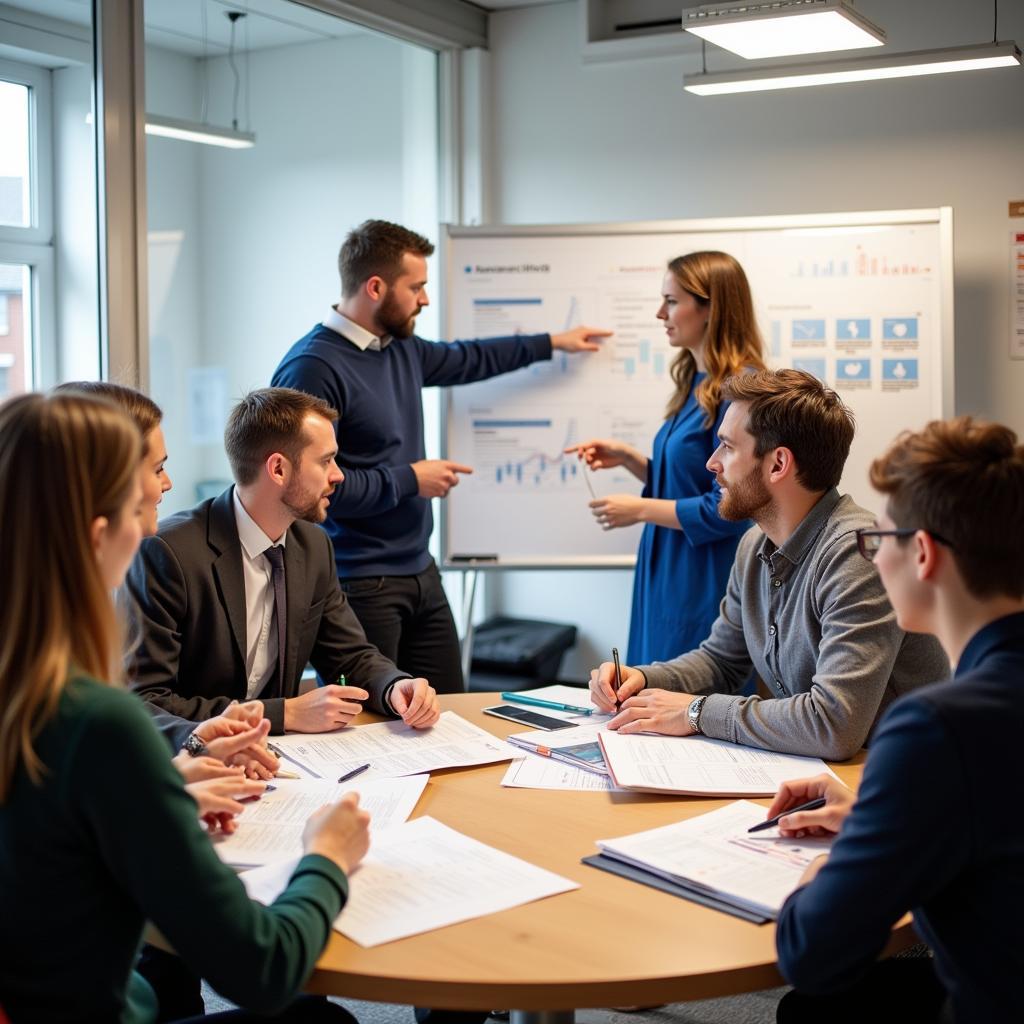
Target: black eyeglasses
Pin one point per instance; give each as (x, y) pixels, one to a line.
(869, 541)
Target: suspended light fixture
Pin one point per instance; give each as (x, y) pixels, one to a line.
(200, 131)
(859, 69)
(196, 131)
(783, 28)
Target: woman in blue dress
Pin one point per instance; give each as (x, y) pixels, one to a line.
(686, 550)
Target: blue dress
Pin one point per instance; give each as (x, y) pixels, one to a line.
(681, 574)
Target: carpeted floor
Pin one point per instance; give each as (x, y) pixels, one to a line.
(754, 1008)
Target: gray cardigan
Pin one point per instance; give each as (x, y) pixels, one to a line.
(812, 618)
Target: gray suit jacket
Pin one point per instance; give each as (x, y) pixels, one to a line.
(189, 606)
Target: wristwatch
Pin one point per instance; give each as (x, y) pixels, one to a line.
(194, 746)
(693, 712)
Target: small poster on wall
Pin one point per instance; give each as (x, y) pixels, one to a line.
(1017, 280)
(208, 404)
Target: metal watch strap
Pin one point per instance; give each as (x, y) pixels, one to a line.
(194, 746)
(693, 712)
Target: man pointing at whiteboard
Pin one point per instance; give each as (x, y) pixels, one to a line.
(366, 361)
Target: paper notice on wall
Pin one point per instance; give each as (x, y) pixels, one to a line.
(207, 404)
(1017, 288)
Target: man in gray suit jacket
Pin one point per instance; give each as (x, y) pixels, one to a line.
(209, 588)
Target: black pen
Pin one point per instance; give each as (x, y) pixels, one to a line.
(618, 676)
(352, 774)
(811, 805)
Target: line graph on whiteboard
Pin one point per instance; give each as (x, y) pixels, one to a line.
(525, 452)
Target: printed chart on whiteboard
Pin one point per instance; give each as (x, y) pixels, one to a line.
(860, 306)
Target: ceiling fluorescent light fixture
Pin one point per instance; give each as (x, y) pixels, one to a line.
(857, 69)
(783, 28)
(195, 131)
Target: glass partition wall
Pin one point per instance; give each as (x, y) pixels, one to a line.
(286, 127)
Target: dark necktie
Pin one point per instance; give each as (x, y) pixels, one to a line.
(275, 556)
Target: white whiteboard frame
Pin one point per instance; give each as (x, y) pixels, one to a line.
(942, 216)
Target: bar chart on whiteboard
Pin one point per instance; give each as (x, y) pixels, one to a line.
(857, 305)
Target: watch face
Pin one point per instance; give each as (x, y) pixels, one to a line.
(194, 746)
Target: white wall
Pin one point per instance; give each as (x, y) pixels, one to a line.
(622, 141)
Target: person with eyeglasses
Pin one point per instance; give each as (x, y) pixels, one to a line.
(929, 831)
(801, 607)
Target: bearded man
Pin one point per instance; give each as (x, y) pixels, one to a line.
(366, 361)
(803, 608)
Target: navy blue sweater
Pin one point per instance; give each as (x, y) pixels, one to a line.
(936, 829)
(378, 523)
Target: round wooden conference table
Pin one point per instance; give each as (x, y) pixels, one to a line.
(612, 942)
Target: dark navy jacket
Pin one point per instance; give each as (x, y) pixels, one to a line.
(938, 829)
(377, 522)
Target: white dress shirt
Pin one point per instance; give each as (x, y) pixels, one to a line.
(260, 612)
(359, 336)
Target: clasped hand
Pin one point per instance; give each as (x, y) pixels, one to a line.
(329, 708)
(416, 701)
(236, 746)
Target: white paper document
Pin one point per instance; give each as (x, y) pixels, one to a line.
(270, 828)
(561, 694)
(392, 749)
(698, 766)
(715, 852)
(420, 876)
(535, 772)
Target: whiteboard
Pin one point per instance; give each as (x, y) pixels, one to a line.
(862, 300)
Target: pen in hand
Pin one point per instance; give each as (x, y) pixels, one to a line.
(811, 805)
(618, 676)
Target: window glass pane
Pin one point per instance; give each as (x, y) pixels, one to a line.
(48, 185)
(15, 198)
(15, 330)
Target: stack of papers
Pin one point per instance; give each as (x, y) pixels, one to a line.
(698, 766)
(550, 770)
(547, 773)
(392, 749)
(578, 747)
(420, 876)
(570, 759)
(271, 828)
(713, 855)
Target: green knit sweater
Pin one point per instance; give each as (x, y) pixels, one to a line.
(110, 840)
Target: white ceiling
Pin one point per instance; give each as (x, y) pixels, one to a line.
(178, 24)
(504, 5)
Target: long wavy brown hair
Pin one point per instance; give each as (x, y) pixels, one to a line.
(65, 460)
(732, 341)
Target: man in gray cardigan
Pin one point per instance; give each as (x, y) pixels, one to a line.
(803, 608)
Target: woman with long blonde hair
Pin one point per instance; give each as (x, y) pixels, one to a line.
(97, 834)
(686, 549)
